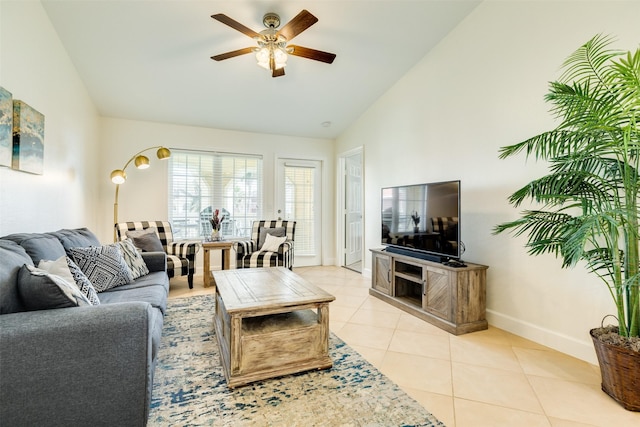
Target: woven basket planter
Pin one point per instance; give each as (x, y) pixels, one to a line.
(620, 369)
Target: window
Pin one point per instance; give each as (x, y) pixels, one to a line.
(200, 182)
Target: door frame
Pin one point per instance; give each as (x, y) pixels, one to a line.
(341, 206)
(320, 169)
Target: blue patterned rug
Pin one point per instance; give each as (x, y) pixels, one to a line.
(190, 390)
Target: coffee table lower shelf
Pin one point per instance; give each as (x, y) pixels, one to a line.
(267, 344)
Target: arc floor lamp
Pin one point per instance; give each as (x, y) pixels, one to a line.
(119, 176)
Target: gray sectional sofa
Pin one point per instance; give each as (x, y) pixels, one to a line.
(77, 366)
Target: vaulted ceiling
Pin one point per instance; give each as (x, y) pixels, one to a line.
(150, 60)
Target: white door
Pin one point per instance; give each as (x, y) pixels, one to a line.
(353, 210)
(299, 198)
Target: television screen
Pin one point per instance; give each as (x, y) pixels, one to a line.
(424, 218)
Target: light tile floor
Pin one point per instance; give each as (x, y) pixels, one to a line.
(487, 378)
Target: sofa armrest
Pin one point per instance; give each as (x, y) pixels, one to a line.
(244, 247)
(156, 261)
(183, 248)
(77, 366)
(285, 247)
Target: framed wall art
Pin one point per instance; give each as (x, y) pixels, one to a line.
(6, 127)
(28, 139)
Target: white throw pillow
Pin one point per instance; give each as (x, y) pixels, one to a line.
(58, 267)
(65, 268)
(272, 243)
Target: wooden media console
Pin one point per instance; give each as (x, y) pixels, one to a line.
(452, 298)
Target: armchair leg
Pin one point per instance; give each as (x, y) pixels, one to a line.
(190, 280)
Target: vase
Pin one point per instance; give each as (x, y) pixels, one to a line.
(215, 236)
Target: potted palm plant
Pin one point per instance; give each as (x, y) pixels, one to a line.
(589, 200)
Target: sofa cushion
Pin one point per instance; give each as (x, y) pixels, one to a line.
(70, 272)
(154, 278)
(147, 240)
(76, 238)
(39, 246)
(133, 258)
(103, 265)
(154, 294)
(41, 290)
(13, 257)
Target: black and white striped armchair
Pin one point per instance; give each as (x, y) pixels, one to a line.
(181, 255)
(250, 253)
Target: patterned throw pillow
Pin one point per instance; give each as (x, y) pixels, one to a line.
(103, 265)
(83, 282)
(65, 268)
(41, 290)
(133, 258)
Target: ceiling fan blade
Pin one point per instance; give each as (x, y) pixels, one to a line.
(316, 55)
(235, 25)
(275, 72)
(232, 54)
(298, 24)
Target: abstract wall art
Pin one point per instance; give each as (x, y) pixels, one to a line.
(28, 139)
(6, 127)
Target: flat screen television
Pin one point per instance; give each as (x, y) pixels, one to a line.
(422, 220)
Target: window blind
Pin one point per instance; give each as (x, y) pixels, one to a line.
(201, 182)
(299, 205)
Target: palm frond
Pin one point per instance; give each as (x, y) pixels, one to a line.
(590, 196)
(588, 60)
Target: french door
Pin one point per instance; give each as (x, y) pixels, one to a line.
(353, 211)
(299, 198)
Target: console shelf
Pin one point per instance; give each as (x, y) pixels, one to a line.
(454, 299)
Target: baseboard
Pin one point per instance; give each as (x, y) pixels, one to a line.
(580, 349)
(366, 272)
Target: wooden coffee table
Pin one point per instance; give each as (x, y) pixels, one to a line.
(270, 322)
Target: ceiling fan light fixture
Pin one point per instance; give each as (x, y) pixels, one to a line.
(272, 51)
(262, 56)
(280, 56)
(265, 53)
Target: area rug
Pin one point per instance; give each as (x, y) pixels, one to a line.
(190, 389)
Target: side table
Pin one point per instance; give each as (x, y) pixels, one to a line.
(225, 247)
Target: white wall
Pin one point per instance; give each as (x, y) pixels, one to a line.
(144, 195)
(482, 88)
(35, 68)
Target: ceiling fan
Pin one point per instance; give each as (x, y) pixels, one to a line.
(272, 50)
